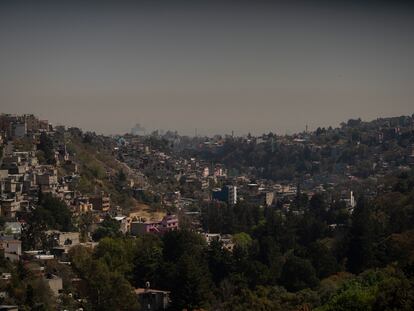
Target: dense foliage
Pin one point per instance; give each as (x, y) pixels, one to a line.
(280, 262)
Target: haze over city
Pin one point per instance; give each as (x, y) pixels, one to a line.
(224, 155)
(216, 66)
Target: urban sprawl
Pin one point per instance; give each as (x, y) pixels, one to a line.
(66, 193)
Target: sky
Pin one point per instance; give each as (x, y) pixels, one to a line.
(215, 66)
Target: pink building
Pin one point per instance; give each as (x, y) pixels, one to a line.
(168, 223)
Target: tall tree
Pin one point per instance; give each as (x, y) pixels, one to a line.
(360, 251)
(298, 273)
(46, 146)
(193, 286)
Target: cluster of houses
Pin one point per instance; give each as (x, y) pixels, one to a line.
(184, 182)
(23, 177)
(195, 180)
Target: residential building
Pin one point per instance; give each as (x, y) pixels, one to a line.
(101, 202)
(152, 299)
(227, 194)
(9, 207)
(55, 283)
(64, 239)
(168, 223)
(11, 247)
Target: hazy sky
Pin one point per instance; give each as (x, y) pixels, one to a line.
(216, 65)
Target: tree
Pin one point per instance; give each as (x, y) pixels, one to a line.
(46, 146)
(360, 251)
(178, 243)
(242, 240)
(122, 177)
(106, 289)
(192, 289)
(117, 254)
(85, 221)
(108, 228)
(322, 260)
(395, 293)
(55, 212)
(270, 299)
(147, 261)
(219, 261)
(34, 232)
(297, 274)
(317, 206)
(354, 298)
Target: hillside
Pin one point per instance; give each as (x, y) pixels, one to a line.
(99, 169)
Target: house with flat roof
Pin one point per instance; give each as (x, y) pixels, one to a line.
(168, 223)
(152, 299)
(12, 248)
